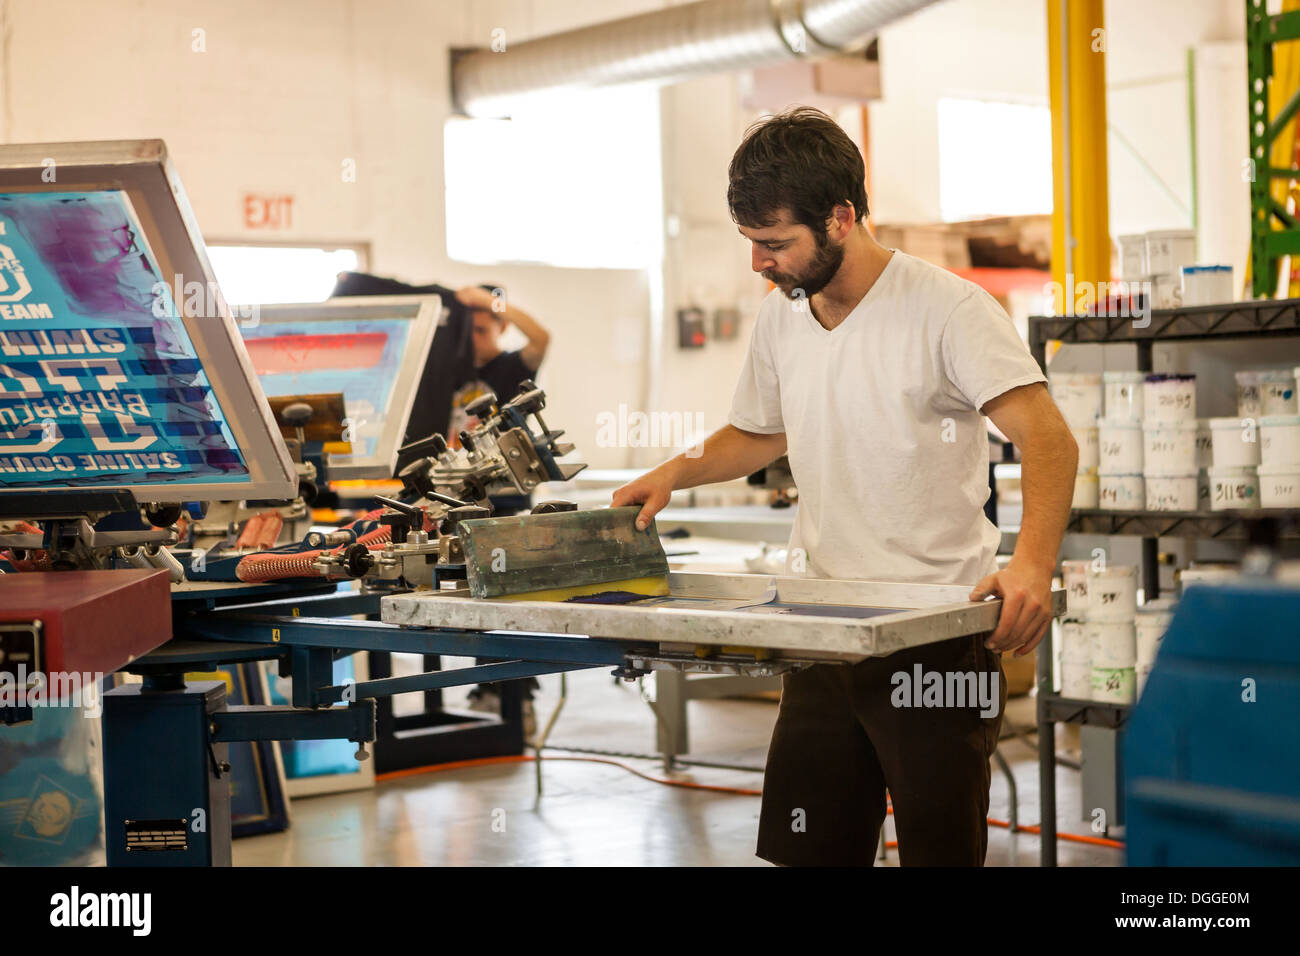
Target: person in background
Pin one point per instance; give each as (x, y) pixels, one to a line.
(500, 372)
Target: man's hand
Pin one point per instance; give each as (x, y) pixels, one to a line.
(476, 297)
(652, 490)
(1026, 592)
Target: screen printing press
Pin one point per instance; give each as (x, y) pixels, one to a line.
(158, 521)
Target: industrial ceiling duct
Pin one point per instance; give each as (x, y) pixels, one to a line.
(711, 36)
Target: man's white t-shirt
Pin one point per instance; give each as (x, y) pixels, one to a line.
(881, 414)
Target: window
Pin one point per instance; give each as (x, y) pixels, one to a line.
(995, 159)
(259, 275)
(571, 180)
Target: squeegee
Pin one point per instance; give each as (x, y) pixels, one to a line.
(564, 555)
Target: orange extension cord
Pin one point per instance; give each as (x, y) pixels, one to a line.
(525, 758)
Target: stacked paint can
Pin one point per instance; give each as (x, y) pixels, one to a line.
(1119, 436)
(1270, 391)
(1075, 666)
(1150, 624)
(1206, 285)
(1167, 252)
(1098, 641)
(1257, 453)
(1110, 632)
(1159, 258)
(1233, 479)
(1278, 473)
(1133, 257)
(1078, 396)
(1107, 643)
(1169, 442)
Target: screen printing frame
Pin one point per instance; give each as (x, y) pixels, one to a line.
(917, 614)
(424, 313)
(143, 171)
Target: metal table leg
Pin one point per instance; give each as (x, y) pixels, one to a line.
(672, 735)
(540, 742)
(1046, 766)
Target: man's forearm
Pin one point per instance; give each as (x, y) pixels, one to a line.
(537, 336)
(727, 454)
(1047, 472)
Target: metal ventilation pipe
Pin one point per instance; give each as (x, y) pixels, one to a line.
(707, 37)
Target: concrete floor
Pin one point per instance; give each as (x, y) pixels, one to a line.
(594, 814)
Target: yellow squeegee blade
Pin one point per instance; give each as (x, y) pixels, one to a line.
(646, 587)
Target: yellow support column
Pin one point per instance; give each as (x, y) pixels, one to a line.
(1076, 42)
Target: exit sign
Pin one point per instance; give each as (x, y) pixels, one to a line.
(267, 212)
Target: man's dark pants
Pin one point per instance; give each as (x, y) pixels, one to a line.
(840, 741)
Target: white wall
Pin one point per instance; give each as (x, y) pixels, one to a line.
(284, 93)
(980, 49)
(707, 261)
(601, 352)
(1147, 110)
(1222, 143)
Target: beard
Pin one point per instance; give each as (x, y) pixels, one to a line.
(821, 270)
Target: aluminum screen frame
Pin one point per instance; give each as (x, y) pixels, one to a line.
(423, 312)
(143, 171)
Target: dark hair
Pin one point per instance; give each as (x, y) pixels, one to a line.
(799, 160)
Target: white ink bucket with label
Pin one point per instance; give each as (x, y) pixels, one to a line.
(1074, 575)
(1077, 395)
(1150, 624)
(1169, 448)
(1112, 643)
(1169, 398)
(1121, 493)
(1277, 392)
(1119, 446)
(1269, 391)
(1171, 492)
(1123, 391)
(1113, 685)
(1279, 486)
(1236, 442)
(1232, 488)
(1112, 593)
(1076, 664)
(1168, 250)
(1248, 403)
(1279, 440)
(1076, 679)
